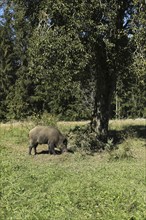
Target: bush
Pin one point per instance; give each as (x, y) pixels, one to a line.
(82, 139)
(44, 119)
(110, 145)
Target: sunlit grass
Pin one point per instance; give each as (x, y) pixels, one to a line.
(72, 186)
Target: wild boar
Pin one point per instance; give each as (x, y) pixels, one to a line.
(47, 135)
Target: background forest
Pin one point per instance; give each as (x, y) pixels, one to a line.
(54, 56)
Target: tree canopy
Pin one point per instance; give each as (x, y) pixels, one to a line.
(76, 59)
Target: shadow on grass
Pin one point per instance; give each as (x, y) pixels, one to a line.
(134, 131)
(43, 152)
(56, 151)
(47, 152)
(140, 130)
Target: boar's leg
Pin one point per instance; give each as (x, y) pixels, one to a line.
(35, 152)
(30, 149)
(51, 148)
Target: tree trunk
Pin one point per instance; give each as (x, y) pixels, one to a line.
(106, 72)
(101, 115)
(105, 86)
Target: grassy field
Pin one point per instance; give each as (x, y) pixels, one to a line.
(74, 186)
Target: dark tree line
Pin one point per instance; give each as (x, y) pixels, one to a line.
(75, 59)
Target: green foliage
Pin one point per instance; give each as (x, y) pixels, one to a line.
(7, 60)
(82, 139)
(66, 58)
(54, 63)
(44, 119)
(109, 146)
(130, 96)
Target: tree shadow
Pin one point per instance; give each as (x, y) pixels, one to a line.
(116, 136)
(140, 131)
(134, 131)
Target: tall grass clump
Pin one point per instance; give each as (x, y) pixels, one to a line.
(124, 149)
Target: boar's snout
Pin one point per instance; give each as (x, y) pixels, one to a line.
(64, 146)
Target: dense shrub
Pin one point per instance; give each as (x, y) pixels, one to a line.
(44, 119)
(82, 138)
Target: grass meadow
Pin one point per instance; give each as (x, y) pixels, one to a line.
(110, 185)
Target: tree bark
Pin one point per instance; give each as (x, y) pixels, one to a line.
(101, 112)
(105, 86)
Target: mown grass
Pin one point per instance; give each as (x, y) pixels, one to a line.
(73, 186)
